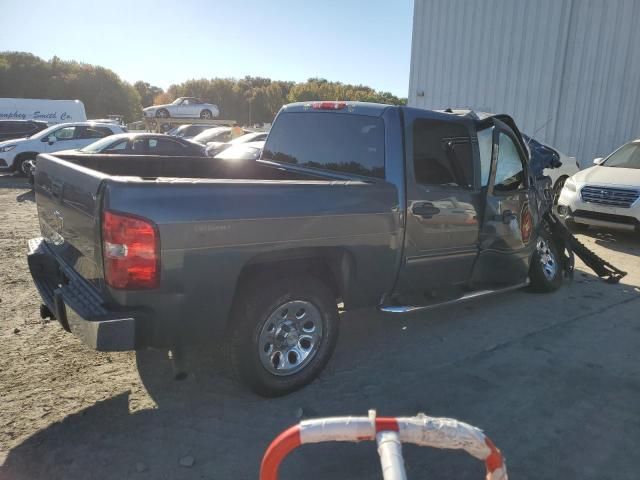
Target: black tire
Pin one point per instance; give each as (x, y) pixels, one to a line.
(557, 188)
(257, 305)
(546, 258)
(162, 113)
(206, 114)
(19, 162)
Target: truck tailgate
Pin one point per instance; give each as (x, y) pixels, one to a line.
(67, 197)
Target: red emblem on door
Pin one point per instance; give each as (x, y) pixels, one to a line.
(526, 223)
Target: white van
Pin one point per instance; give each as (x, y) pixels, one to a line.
(50, 111)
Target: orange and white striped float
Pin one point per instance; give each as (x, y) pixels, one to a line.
(389, 433)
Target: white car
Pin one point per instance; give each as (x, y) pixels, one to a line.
(64, 136)
(183, 107)
(214, 148)
(607, 194)
(242, 151)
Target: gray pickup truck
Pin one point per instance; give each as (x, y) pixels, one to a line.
(363, 204)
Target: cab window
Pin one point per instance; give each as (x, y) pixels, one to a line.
(509, 169)
(442, 154)
(345, 143)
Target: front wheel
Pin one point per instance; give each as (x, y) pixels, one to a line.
(283, 333)
(162, 113)
(545, 271)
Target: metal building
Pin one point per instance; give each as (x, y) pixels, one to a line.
(568, 71)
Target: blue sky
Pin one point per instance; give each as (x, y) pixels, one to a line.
(352, 41)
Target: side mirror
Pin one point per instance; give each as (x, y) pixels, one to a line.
(598, 161)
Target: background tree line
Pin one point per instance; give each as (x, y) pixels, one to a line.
(247, 100)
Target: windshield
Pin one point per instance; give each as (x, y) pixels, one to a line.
(98, 146)
(627, 156)
(45, 132)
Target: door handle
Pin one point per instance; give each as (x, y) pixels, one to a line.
(425, 210)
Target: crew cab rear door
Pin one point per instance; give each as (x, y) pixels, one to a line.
(510, 216)
(443, 202)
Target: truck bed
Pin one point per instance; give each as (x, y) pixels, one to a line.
(154, 167)
(216, 219)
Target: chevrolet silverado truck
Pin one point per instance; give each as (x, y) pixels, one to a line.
(362, 204)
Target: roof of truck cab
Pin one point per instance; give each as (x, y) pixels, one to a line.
(377, 109)
(360, 108)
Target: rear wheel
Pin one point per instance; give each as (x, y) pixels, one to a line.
(206, 115)
(284, 332)
(545, 271)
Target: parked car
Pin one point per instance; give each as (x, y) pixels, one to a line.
(142, 144)
(607, 194)
(10, 129)
(189, 107)
(188, 131)
(64, 136)
(242, 151)
(214, 148)
(358, 203)
(215, 134)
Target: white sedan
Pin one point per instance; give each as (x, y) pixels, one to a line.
(183, 107)
(607, 194)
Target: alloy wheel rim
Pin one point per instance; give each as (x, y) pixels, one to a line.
(547, 259)
(290, 337)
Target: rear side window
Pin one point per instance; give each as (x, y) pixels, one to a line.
(94, 132)
(163, 146)
(442, 153)
(338, 142)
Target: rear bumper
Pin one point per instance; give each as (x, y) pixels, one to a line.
(77, 305)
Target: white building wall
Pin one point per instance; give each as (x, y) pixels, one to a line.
(568, 71)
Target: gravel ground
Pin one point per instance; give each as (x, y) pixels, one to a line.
(552, 379)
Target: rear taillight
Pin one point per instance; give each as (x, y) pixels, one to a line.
(131, 252)
(328, 105)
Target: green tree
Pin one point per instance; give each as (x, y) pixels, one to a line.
(246, 100)
(23, 75)
(147, 92)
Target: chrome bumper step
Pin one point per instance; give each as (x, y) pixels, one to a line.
(464, 298)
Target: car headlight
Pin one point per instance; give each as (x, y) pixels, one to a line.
(7, 148)
(570, 185)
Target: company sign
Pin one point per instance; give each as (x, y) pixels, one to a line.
(37, 115)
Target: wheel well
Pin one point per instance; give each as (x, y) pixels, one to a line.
(562, 178)
(23, 156)
(333, 266)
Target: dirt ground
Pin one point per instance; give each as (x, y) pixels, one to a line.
(554, 380)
